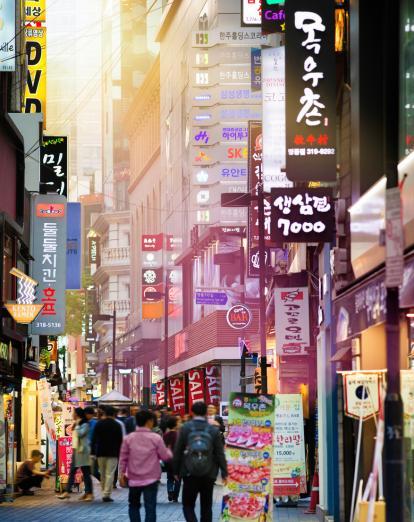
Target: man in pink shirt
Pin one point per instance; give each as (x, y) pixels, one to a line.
(139, 466)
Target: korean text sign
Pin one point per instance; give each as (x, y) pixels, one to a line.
(292, 320)
(302, 215)
(249, 452)
(54, 165)
(35, 94)
(49, 265)
(310, 90)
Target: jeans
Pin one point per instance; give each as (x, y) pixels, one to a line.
(107, 467)
(150, 502)
(173, 486)
(31, 482)
(86, 472)
(191, 488)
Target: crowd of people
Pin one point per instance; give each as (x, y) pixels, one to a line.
(132, 449)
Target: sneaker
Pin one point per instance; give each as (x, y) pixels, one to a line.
(107, 499)
(63, 496)
(170, 497)
(87, 497)
(27, 493)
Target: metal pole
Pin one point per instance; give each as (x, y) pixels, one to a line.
(393, 440)
(166, 303)
(113, 348)
(243, 371)
(262, 285)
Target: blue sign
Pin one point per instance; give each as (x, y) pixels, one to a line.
(211, 298)
(256, 69)
(73, 247)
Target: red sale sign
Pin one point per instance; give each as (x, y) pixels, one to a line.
(195, 386)
(160, 393)
(213, 384)
(177, 395)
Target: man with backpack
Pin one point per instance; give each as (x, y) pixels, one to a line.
(198, 456)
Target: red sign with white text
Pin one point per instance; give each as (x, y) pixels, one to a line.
(213, 384)
(176, 395)
(160, 393)
(196, 381)
(151, 242)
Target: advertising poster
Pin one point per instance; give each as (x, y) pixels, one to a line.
(45, 400)
(3, 446)
(249, 452)
(289, 467)
(196, 380)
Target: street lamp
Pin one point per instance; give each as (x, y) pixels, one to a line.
(108, 317)
(229, 199)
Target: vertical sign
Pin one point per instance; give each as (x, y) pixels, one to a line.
(251, 13)
(256, 69)
(160, 393)
(289, 477)
(213, 384)
(35, 95)
(49, 265)
(3, 445)
(8, 37)
(272, 17)
(249, 451)
(73, 250)
(292, 320)
(54, 165)
(176, 395)
(195, 386)
(310, 91)
(94, 251)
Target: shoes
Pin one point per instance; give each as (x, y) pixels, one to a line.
(107, 499)
(87, 497)
(27, 493)
(170, 497)
(63, 496)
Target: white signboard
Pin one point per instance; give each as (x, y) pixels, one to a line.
(361, 394)
(8, 36)
(252, 12)
(225, 94)
(292, 320)
(224, 114)
(233, 153)
(394, 242)
(236, 36)
(274, 119)
(222, 75)
(235, 133)
(225, 172)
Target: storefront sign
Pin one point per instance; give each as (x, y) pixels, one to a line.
(160, 393)
(49, 265)
(54, 165)
(394, 240)
(45, 400)
(24, 311)
(251, 13)
(35, 10)
(213, 174)
(206, 117)
(177, 395)
(152, 276)
(196, 381)
(230, 95)
(211, 298)
(221, 75)
(256, 69)
(94, 251)
(361, 394)
(303, 215)
(213, 384)
(310, 91)
(272, 17)
(239, 36)
(289, 466)
(292, 320)
(35, 94)
(73, 250)
(249, 451)
(239, 317)
(65, 453)
(8, 38)
(152, 242)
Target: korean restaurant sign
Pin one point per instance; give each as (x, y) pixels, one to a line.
(310, 91)
(8, 38)
(302, 215)
(49, 265)
(54, 165)
(292, 320)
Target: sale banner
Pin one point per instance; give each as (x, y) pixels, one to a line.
(65, 457)
(249, 452)
(176, 395)
(160, 393)
(213, 384)
(196, 381)
(289, 469)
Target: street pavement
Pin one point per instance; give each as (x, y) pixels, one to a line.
(45, 507)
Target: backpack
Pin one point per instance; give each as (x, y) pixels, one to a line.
(199, 453)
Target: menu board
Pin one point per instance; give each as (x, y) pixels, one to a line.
(249, 452)
(289, 469)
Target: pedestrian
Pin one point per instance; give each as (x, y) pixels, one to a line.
(81, 456)
(215, 419)
(106, 444)
(28, 476)
(157, 419)
(130, 423)
(170, 439)
(198, 456)
(139, 466)
(90, 414)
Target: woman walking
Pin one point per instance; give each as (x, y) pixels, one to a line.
(81, 456)
(170, 438)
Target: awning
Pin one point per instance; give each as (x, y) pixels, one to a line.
(341, 353)
(30, 373)
(114, 397)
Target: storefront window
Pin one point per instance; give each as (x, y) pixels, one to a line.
(407, 79)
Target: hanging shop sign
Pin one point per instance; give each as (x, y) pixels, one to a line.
(249, 452)
(251, 16)
(152, 242)
(361, 394)
(152, 276)
(24, 311)
(227, 113)
(213, 384)
(237, 133)
(210, 175)
(3, 445)
(292, 320)
(233, 74)
(35, 10)
(224, 94)
(394, 244)
(272, 17)
(35, 93)
(256, 70)
(303, 215)
(49, 265)
(94, 251)
(8, 38)
(54, 165)
(151, 259)
(219, 55)
(240, 36)
(148, 291)
(196, 380)
(310, 91)
(203, 297)
(73, 247)
(289, 466)
(239, 317)
(176, 392)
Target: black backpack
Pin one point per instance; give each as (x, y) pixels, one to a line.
(199, 452)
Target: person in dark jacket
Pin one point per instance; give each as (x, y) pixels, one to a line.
(199, 484)
(106, 445)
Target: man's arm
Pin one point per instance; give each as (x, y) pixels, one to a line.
(119, 435)
(124, 456)
(219, 453)
(164, 453)
(179, 451)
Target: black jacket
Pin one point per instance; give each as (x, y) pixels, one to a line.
(106, 438)
(219, 459)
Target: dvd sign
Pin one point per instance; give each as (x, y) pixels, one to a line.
(239, 317)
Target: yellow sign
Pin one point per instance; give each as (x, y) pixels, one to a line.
(35, 95)
(35, 10)
(23, 313)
